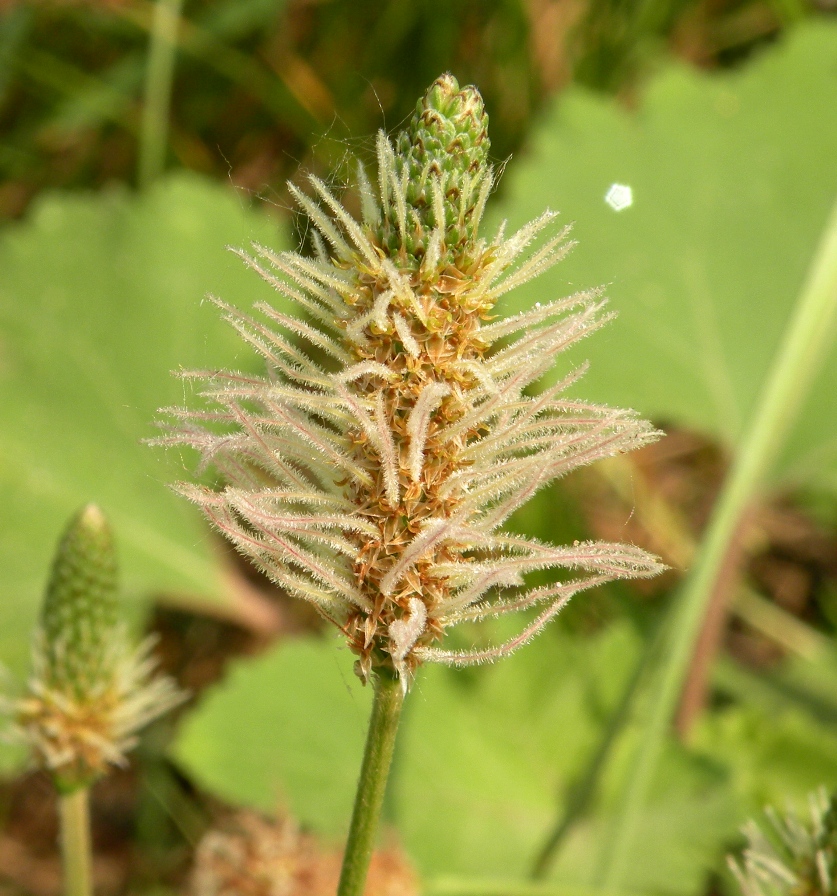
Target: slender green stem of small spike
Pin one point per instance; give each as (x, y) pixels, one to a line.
(75, 842)
(377, 758)
(808, 337)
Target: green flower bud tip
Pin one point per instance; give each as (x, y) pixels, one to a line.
(90, 690)
(80, 608)
(440, 172)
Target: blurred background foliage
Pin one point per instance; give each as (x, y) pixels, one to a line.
(263, 87)
(117, 200)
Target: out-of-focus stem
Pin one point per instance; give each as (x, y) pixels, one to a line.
(75, 842)
(782, 627)
(377, 758)
(158, 83)
(808, 335)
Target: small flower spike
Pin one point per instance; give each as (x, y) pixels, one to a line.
(90, 691)
(397, 427)
(796, 857)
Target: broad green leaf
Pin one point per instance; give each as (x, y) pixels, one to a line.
(101, 296)
(775, 756)
(485, 758)
(686, 828)
(732, 178)
(482, 763)
(486, 770)
(284, 731)
(477, 755)
(780, 733)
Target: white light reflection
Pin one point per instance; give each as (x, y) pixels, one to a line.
(619, 197)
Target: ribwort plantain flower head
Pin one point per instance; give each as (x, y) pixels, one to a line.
(90, 689)
(795, 856)
(371, 468)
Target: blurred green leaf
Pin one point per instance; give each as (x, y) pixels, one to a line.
(776, 752)
(100, 298)
(486, 771)
(732, 177)
(486, 758)
(797, 685)
(283, 731)
(478, 759)
(482, 765)
(686, 827)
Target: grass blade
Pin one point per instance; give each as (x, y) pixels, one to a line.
(158, 84)
(808, 336)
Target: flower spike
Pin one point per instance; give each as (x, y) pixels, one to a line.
(90, 689)
(421, 426)
(794, 855)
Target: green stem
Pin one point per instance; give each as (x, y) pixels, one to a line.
(158, 83)
(377, 757)
(781, 626)
(75, 841)
(807, 338)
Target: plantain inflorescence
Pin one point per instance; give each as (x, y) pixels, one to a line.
(80, 606)
(371, 468)
(90, 689)
(794, 856)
